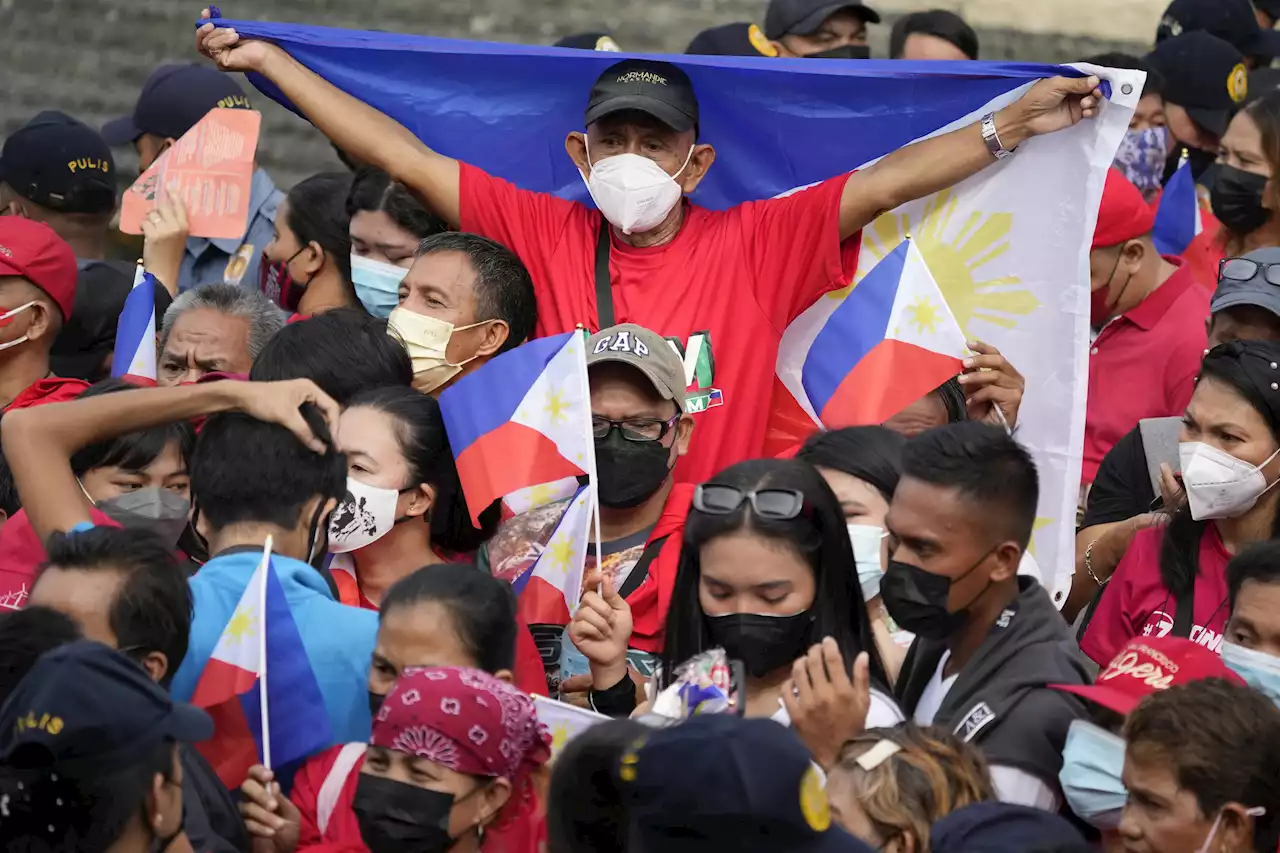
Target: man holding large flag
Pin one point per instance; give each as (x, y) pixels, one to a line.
(736, 277)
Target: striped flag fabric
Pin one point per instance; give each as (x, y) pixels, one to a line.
(1178, 218)
(548, 593)
(135, 352)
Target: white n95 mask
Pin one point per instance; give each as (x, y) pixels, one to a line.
(377, 285)
(866, 541)
(426, 339)
(363, 517)
(634, 193)
(1219, 485)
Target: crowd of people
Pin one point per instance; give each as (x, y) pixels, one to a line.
(897, 683)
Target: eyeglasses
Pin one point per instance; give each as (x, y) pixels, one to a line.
(780, 504)
(1243, 269)
(632, 429)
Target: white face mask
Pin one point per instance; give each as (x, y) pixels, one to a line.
(6, 316)
(866, 541)
(363, 517)
(634, 193)
(426, 339)
(1219, 485)
(377, 285)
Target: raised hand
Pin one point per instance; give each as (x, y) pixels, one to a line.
(228, 51)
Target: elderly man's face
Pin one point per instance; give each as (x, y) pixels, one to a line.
(204, 341)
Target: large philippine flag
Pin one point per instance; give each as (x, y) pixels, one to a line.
(548, 593)
(522, 419)
(289, 722)
(1178, 219)
(135, 353)
(889, 343)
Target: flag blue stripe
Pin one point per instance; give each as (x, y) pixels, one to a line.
(299, 722)
(485, 400)
(776, 123)
(135, 326)
(858, 324)
(1175, 225)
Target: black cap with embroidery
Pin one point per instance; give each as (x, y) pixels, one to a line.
(85, 708)
(802, 17)
(173, 100)
(60, 163)
(1204, 75)
(590, 41)
(658, 88)
(1230, 20)
(741, 39)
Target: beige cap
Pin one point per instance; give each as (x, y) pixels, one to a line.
(645, 350)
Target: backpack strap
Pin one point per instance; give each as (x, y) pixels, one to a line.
(331, 791)
(640, 570)
(604, 290)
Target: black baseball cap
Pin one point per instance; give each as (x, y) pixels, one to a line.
(87, 709)
(801, 17)
(1204, 75)
(590, 41)
(1271, 7)
(173, 99)
(741, 39)
(1230, 20)
(1002, 828)
(1256, 291)
(658, 88)
(740, 785)
(60, 163)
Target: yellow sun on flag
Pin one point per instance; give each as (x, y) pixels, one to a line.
(1040, 522)
(559, 736)
(557, 407)
(540, 495)
(924, 315)
(956, 248)
(559, 554)
(241, 626)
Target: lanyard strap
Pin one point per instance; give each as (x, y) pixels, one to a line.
(604, 291)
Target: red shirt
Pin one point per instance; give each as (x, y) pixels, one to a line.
(1137, 603)
(21, 553)
(522, 832)
(1144, 363)
(722, 291)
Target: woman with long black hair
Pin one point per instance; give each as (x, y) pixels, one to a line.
(1172, 579)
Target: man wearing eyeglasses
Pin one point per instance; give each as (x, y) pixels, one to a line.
(642, 428)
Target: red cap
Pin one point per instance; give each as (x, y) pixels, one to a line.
(1148, 664)
(33, 251)
(1123, 215)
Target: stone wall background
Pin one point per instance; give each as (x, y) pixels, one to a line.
(89, 58)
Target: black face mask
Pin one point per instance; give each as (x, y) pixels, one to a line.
(848, 51)
(375, 703)
(917, 600)
(763, 643)
(396, 817)
(1237, 200)
(630, 471)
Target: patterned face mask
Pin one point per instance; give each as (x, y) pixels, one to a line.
(1142, 157)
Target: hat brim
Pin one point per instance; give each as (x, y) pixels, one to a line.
(814, 20)
(1107, 697)
(1243, 293)
(188, 724)
(1264, 43)
(1214, 121)
(121, 131)
(661, 110)
(652, 375)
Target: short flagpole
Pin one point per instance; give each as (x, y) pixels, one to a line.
(262, 655)
(592, 484)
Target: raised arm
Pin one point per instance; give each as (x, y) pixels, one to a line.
(39, 442)
(931, 165)
(352, 125)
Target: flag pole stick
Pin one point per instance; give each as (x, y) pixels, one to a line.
(262, 655)
(592, 484)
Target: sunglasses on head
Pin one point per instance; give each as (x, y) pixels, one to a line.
(1243, 269)
(780, 504)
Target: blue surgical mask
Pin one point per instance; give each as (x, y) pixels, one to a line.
(377, 285)
(1142, 157)
(1091, 765)
(866, 541)
(1260, 671)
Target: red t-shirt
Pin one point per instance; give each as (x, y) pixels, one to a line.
(21, 553)
(1137, 603)
(723, 290)
(1144, 363)
(523, 832)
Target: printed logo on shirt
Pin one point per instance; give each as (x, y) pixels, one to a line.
(699, 372)
(978, 718)
(1202, 636)
(14, 600)
(1160, 624)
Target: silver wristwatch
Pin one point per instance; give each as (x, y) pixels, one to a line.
(989, 136)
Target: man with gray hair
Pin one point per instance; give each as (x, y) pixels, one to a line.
(217, 328)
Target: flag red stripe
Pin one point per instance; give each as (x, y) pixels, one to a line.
(232, 750)
(220, 682)
(890, 377)
(506, 459)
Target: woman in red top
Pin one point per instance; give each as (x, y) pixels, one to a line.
(448, 615)
(1244, 197)
(404, 507)
(1172, 579)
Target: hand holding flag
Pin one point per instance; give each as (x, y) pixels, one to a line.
(135, 352)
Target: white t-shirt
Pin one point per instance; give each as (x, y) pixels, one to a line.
(1012, 785)
(883, 713)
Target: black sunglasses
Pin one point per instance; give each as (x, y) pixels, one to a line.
(1243, 269)
(780, 504)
